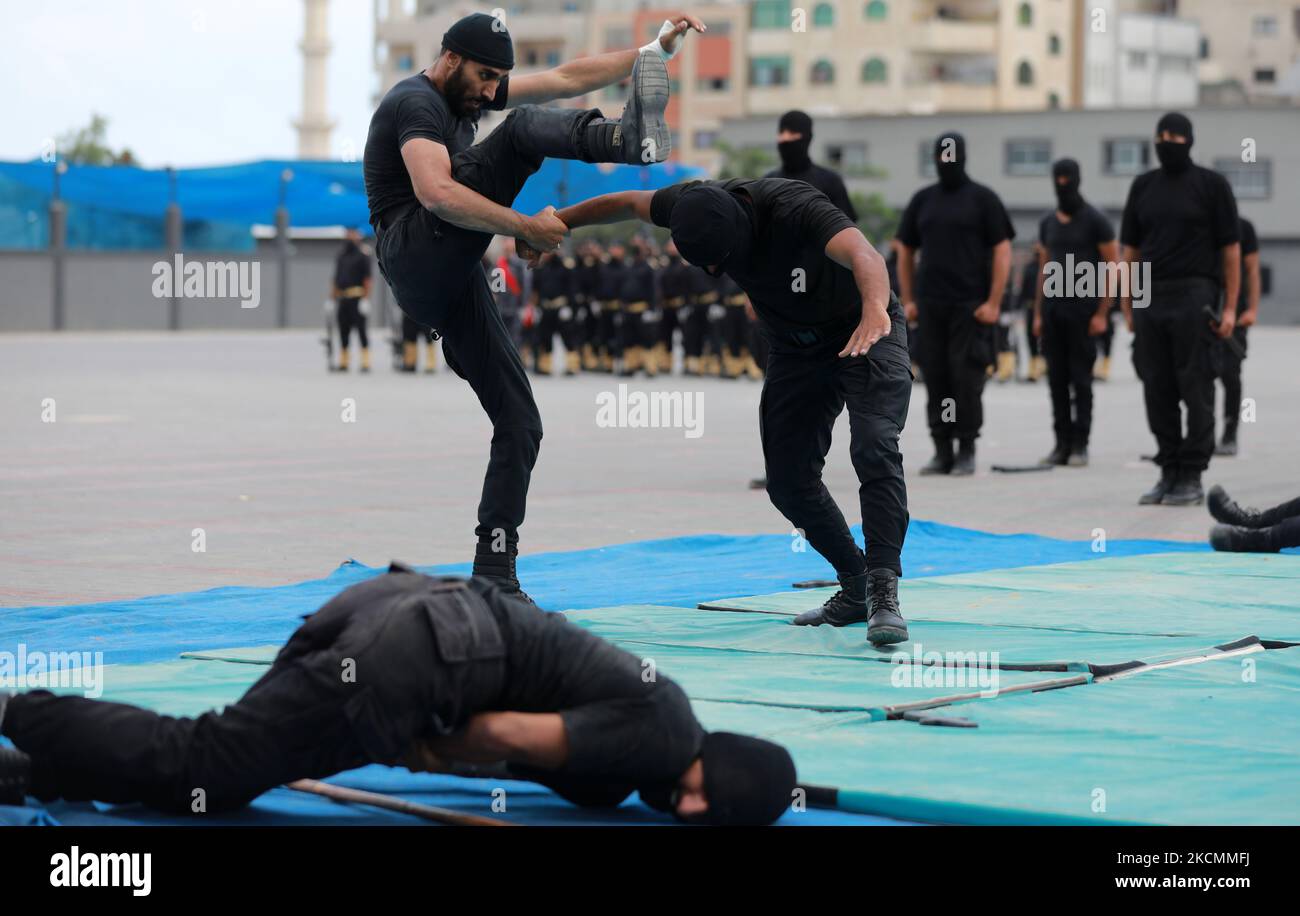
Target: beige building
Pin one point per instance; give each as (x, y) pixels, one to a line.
(1250, 49)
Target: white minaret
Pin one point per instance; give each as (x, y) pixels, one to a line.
(314, 125)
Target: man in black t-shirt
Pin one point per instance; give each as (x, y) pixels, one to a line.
(412, 670)
(837, 339)
(1075, 234)
(1231, 357)
(436, 202)
(794, 136)
(964, 235)
(1181, 220)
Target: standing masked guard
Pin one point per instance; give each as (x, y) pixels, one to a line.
(554, 293)
(1026, 296)
(588, 318)
(838, 340)
(674, 290)
(1068, 322)
(351, 294)
(964, 236)
(736, 358)
(1247, 315)
(412, 332)
(613, 267)
(639, 317)
(793, 139)
(1181, 219)
(437, 199)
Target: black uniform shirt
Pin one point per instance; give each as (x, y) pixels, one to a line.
(413, 108)
(1081, 238)
(793, 222)
(352, 268)
(1179, 223)
(638, 282)
(553, 279)
(610, 285)
(823, 180)
(955, 230)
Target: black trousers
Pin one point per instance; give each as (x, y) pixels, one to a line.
(562, 320)
(1230, 375)
(803, 394)
(349, 317)
(436, 273)
(695, 322)
(955, 353)
(1070, 354)
(305, 718)
(1175, 353)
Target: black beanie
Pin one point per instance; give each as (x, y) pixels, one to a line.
(708, 225)
(748, 782)
(796, 122)
(1175, 123)
(481, 38)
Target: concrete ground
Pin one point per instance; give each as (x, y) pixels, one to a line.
(242, 435)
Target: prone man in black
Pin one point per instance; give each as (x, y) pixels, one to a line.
(837, 339)
(1181, 219)
(964, 236)
(428, 673)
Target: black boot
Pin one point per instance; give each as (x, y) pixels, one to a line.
(885, 625)
(1236, 539)
(15, 776)
(1155, 496)
(1226, 510)
(942, 461)
(1059, 456)
(499, 567)
(964, 466)
(848, 605)
(641, 136)
(1186, 491)
(1078, 457)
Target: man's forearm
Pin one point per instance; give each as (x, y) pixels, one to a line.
(906, 264)
(607, 208)
(1231, 275)
(1001, 270)
(587, 74)
(468, 209)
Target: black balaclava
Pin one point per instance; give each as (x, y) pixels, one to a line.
(794, 153)
(483, 38)
(748, 782)
(1068, 199)
(711, 227)
(1174, 157)
(950, 160)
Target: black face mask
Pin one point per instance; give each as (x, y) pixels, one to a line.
(794, 154)
(1174, 157)
(1068, 199)
(950, 161)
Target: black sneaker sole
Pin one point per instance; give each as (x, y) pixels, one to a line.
(887, 636)
(643, 116)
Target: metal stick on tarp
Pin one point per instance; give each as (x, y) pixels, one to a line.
(388, 802)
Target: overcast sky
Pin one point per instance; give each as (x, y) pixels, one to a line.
(181, 82)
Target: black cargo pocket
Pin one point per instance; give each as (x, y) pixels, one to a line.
(383, 736)
(464, 630)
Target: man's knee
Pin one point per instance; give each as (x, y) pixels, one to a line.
(875, 452)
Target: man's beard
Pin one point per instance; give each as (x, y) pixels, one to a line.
(456, 93)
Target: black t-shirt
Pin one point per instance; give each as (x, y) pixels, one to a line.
(823, 180)
(553, 279)
(413, 108)
(793, 222)
(1080, 238)
(1179, 223)
(352, 267)
(638, 283)
(955, 230)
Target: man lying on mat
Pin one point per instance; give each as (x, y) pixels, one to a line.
(412, 670)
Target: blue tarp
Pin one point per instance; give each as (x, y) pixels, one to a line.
(123, 206)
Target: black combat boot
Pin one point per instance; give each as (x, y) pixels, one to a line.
(499, 566)
(964, 465)
(942, 461)
(1186, 491)
(1226, 510)
(1156, 495)
(641, 136)
(1236, 539)
(1058, 456)
(848, 605)
(885, 625)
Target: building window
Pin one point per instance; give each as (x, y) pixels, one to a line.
(850, 158)
(553, 57)
(1029, 157)
(823, 73)
(876, 9)
(706, 139)
(1137, 60)
(405, 63)
(1054, 45)
(823, 15)
(1127, 156)
(1249, 180)
(925, 159)
(875, 71)
(769, 71)
(1026, 15)
(1025, 73)
(770, 14)
(1053, 100)
(1265, 75)
(1263, 27)
(713, 84)
(1265, 280)
(1205, 48)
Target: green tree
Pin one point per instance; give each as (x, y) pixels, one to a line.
(745, 162)
(877, 219)
(89, 145)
